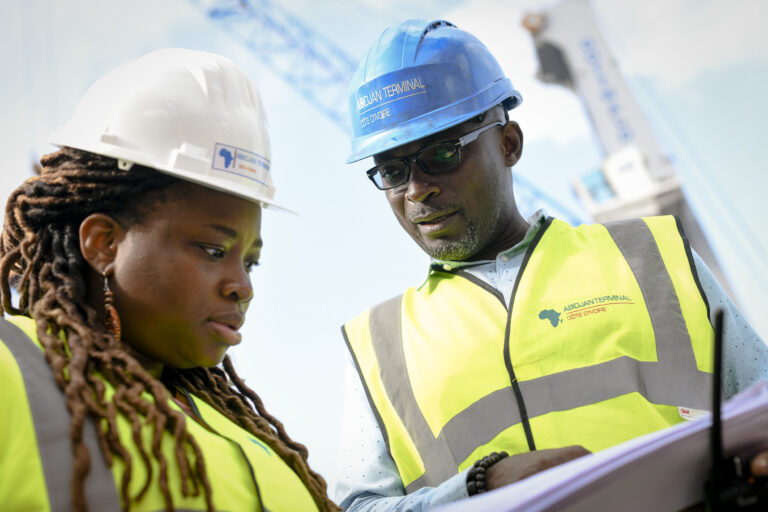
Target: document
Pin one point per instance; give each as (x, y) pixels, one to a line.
(661, 471)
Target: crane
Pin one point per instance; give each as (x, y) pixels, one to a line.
(321, 71)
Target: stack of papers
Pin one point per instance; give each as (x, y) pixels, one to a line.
(661, 471)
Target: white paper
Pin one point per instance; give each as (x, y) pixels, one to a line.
(661, 471)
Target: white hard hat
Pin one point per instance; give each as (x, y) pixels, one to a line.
(191, 114)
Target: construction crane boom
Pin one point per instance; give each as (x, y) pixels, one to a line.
(298, 54)
(320, 70)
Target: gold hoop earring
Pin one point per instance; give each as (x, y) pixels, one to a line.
(111, 318)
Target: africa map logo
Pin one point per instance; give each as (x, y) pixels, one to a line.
(584, 308)
(551, 315)
(241, 162)
(227, 156)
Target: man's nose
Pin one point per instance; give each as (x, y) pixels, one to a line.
(420, 185)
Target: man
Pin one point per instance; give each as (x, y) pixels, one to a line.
(528, 336)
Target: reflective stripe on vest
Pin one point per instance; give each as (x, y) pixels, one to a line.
(52, 419)
(674, 378)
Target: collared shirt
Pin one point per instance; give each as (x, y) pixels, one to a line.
(368, 477)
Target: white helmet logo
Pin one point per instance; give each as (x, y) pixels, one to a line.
(246, 164)
(227, 156)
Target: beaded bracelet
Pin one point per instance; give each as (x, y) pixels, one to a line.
(476, 474)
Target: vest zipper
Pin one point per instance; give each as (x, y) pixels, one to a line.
(507, 358)
(199, 416)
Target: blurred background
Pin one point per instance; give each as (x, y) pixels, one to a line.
(697, 70)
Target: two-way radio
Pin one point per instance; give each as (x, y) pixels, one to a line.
(731, 485)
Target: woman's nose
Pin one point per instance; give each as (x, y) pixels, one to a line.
(239, 286)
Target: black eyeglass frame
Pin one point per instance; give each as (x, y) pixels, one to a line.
(457, 143)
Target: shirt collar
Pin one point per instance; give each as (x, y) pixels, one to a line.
(535, 222)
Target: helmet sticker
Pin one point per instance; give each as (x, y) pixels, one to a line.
(392, 98)
(243, 163)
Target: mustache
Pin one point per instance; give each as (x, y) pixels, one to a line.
(426, 209)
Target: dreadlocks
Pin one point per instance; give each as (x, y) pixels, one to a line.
(40, 253)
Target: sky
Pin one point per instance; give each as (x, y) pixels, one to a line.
(698, 69)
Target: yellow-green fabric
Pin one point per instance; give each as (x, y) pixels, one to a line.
(22, 483)
(595, 346)
(227, 453)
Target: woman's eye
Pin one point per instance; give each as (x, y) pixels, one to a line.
(214, 252)
(251, 265)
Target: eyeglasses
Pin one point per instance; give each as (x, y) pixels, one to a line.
(435, 159)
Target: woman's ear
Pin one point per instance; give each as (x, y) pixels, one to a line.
(100, 235)
(513, 143)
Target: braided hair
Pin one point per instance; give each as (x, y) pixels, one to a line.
(40, 257)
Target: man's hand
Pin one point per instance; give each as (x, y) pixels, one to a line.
(759, 465)
(516, 467)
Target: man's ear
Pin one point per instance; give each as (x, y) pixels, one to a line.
(513, 143)
(100, 235)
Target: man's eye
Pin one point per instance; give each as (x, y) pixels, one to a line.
(443, 154)
(391, 174)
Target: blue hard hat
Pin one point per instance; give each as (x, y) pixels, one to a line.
(420, 78)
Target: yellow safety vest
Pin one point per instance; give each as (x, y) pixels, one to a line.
(607, 338)
(36, 453)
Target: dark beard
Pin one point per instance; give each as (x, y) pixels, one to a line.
(457, 249)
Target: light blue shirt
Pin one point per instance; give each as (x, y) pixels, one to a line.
(368, 477)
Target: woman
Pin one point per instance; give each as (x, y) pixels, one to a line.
(131, 254)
